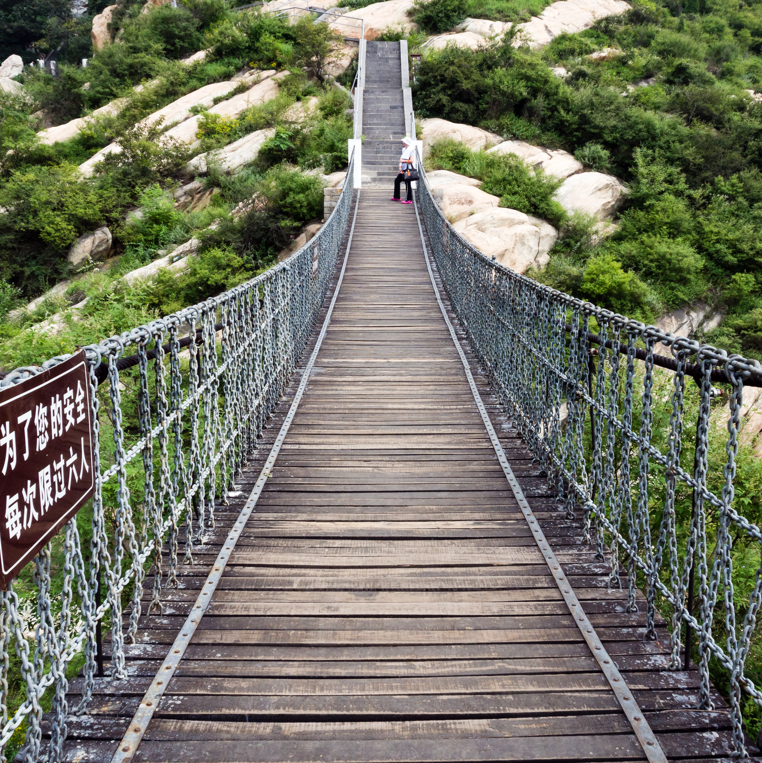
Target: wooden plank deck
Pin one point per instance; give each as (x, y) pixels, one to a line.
(387, 600)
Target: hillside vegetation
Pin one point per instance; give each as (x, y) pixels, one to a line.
(47, 202)
(666, 107)
(667, 110)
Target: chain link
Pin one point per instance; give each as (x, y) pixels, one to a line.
(592, 409)
(198, 413)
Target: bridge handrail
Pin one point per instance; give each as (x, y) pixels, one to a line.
(576, 406)
(196, 433)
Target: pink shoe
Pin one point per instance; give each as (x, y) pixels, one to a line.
(407, 202)
(393, 199)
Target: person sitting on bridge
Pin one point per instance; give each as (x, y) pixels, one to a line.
(407, 162)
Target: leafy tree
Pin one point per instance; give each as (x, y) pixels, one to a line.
(53, 203)
(23, 22)
(606, 283)
(315, 44)
(15, 124)
(594, 156)
(175, 29)
(48, 207)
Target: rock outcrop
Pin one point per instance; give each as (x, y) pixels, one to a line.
(335, 179)
(433, 130)
(444, 178)
(260, 93)
(751, 418)
(90, 248)
(72, 129)
(8, 85)
(459, 201)
(199, 55)
(591, 193)
(688, 320)
(469, 40)
(300, 110)
(515, 240)
(307, 234)
(559, 164)
(11, 67)
(233, 156)
(100, 33)
(339, 62)
(565, 16)
(176, 262)
(87, 168)
(177, 111)
(381, 16)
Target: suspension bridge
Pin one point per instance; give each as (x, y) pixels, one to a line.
(393, 502)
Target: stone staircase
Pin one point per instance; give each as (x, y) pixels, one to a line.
(383, 117)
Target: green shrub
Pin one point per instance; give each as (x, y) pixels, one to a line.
(175, 29)
(742, 292)
(594, 156)
(16, 127)
(159, 221)
(53, 203)
(671, 264)
(297, 196)
(145, 159)
(436, 16)
(323, 143)
(10, 297)
(280, 201)
(607, 284)
(253, 38)
(209, 273)
(279, 147)
(23, 22)
(334, 103)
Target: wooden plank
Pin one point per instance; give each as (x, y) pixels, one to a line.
(389, 707)
(582, 748)
(377, 637)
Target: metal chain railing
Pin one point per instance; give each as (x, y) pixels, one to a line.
(647, 457)
(207, 379)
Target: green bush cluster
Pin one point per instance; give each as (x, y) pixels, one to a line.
(279, 200)
(506, 176)
(46, 205)
(436, 16)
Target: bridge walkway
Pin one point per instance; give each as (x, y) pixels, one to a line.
(387, 599)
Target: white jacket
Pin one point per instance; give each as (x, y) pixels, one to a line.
(408, 153)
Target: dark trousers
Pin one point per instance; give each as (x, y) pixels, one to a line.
(401, 179)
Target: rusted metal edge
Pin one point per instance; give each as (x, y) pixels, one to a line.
(640, 726)
(128, 747)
